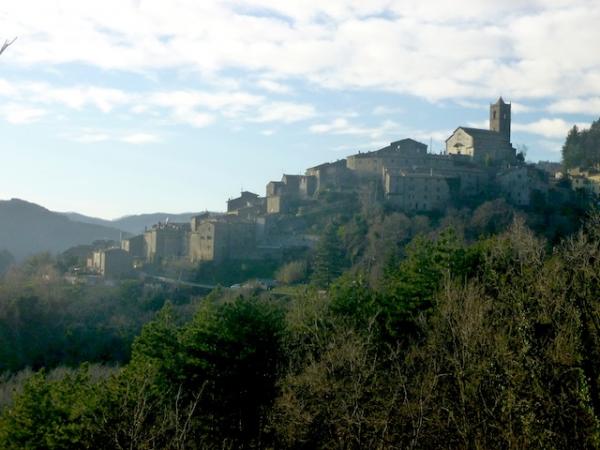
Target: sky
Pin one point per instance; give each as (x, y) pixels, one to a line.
(118, 107)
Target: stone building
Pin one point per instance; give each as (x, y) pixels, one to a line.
(486, 146)
(500, 118)
(585, 180)
(135, 246)
(217, 239)
(278, 204)
(275, 188)
(247, 206)
(167, 240)
(245, 200)
(110, 263)
(333, 175)
(514, 184)
(519, 183)
(283, 196)
(418, 191)
(371, 164)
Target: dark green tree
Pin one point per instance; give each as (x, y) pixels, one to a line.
(53, 414)
(329, 258)
(582, 147)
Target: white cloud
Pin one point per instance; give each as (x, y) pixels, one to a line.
(470, 104)
(140, 138)
(387, 110)
(522, 48)
(552, 146)
(518, 108)
(75, 97)
(274, 86)
(19, 114)
(105, 99)
(267, 132)
(284, 112)
(342, 126)
(588, 106)
(197, 108)
(549, 128)
(91, 137)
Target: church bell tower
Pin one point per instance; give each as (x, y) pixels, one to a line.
(500, 118)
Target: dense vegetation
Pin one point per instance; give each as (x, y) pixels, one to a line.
(582, 147)
(46, 322)
(447, 342)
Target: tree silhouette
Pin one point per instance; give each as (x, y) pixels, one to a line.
(6, 44)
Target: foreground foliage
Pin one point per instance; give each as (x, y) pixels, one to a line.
(494, 344)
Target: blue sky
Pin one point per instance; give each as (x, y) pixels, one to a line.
(126, 106)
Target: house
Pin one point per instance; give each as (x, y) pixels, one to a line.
(418, 191)
(167, 240)
(371, 164)
(221, 238)
(333, 175)
(245, 200)
(110, 262)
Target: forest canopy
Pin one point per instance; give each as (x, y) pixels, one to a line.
(582, 147)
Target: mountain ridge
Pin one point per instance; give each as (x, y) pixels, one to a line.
(27, 228)
(134, 223)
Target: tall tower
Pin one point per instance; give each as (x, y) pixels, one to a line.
(500, 118)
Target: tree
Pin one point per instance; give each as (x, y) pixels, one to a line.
(53, 414)
(6, 44)
(582, 147)
(329, 257)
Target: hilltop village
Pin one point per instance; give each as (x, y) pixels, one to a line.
(402, 175)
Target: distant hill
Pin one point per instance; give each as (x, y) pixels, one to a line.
(134, 224)
(27, 228)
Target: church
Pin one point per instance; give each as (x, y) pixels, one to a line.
(485, 146)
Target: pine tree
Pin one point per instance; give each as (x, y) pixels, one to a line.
(329, 259)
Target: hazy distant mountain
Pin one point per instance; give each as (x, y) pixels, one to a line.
(87, 219)
(27, 228)
(134, 224)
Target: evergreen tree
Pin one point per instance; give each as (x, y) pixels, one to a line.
(329, 259)
(582, 147)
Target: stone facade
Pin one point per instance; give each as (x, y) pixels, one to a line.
(245, 200)
(514, 184)
(418, 191)
(333, 175)
(371, 164)
(283, 195)
(135, 246)
(222, 238)
(486, 146)
(585, 180)
(167, 240)
(110, 263)
(500, 118)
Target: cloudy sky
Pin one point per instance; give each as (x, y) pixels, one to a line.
(116, 107)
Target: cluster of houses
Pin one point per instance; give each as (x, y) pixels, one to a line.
(404, 174)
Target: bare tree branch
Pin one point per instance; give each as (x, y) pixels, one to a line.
(6, 44)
